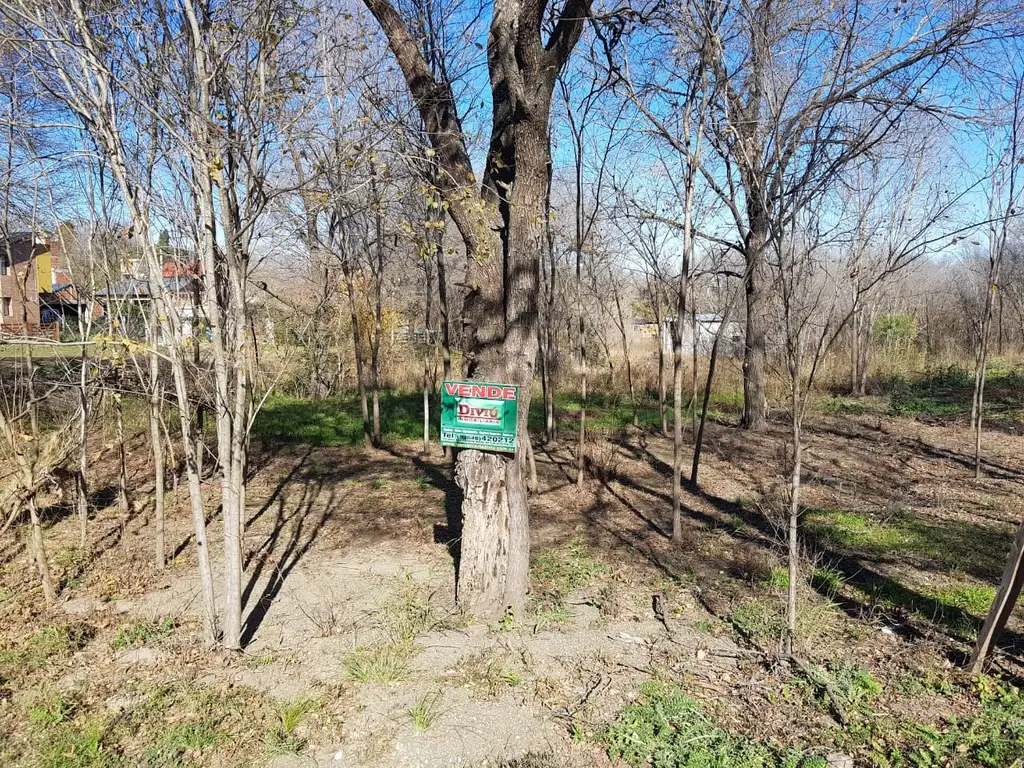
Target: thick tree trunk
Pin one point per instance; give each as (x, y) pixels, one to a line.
(495, 554)
(755, 360)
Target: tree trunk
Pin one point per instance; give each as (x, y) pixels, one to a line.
(39, 551)
(378, 280)
(495, 553)
(978, 400)
(155, 437)
(659, 318)
(357, 343)
(698, 442)
(81, 481)
(122, 462)
(1002, 607)
(428, 301)
(531, 463)
(677, 413)
(755, 359)
(549, 342)
(693, 370)
(794, 513)
(625, 349)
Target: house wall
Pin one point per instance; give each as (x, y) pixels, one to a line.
(20, 283)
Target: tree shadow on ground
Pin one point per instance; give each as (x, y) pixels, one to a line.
(439, 476)
(874, 589)
(337, 499)
(298, 544)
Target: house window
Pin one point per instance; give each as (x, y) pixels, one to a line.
(4, 266)
(5, 306)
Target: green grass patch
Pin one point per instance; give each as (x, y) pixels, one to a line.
(973, 548)
(425, 711)
(555, 573)
(849, 406)
(993, 736)
(283, 738)
(182, 742)
(63, 736)
(53, 642)
(973, 598)
(338, 420)
(947, 391)
(668, 729)
(379, 663)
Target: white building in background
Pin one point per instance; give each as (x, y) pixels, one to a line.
(700, 332)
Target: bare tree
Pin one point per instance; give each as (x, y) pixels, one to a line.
(1004, 200)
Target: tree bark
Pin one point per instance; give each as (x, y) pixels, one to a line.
(506, 221)
(755, 358)
(157, 447)
(378, 309)
(1002, 607)
(794, 514)
(357, 343)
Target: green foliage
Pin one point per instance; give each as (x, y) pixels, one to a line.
(763, 619)
(337, 420)
(992, 737)
(855, 685)
(143, 632)
(840, 405)
(409, 613)
(973, 598)
(557, 572)
(954, 545)
(947, 391)
(777, 579)
(828, 581)
(896, 330)
(667, 729)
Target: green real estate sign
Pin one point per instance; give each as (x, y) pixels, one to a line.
(479, 415)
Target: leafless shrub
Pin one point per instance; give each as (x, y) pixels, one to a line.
(601, 455)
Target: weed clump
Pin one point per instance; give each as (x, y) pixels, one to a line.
(667, 728)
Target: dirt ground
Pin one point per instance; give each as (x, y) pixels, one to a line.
(356, 655)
